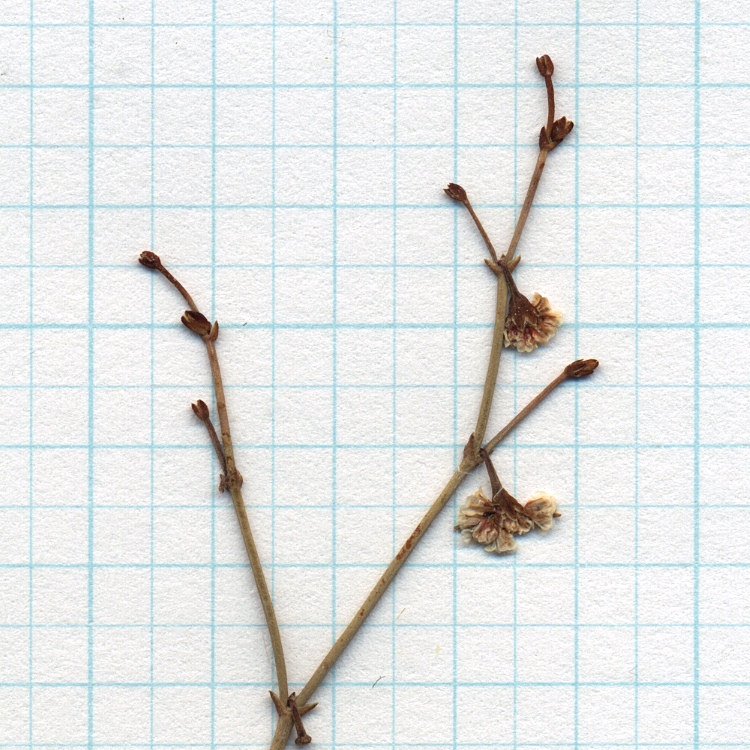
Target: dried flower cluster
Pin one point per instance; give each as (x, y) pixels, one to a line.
(493, 522)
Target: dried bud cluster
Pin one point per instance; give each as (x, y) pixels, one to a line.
(201, 410)
(456, 192)
(149, 259)
(560, 128)
(581, 368)
(544, 63)
(493, 523)
(198, 323)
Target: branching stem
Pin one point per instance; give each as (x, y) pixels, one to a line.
(577, 369)
(233, 478)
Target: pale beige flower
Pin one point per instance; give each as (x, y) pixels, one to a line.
(493, 523)
(529, 324)
(541, 508)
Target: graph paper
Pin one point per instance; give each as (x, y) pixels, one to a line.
(286, 160)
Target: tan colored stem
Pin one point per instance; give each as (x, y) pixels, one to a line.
(561, 378)
(530, 193)
(234, 482)
(490, 379)
(247, 534)
(550, 104)
(284, 725)
(482, 231)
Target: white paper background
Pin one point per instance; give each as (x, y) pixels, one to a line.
(286, 160)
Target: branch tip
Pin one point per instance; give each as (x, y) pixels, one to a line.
(456, 192)
(201, 410)
(581, 368)
(150, 260)
(544, 63)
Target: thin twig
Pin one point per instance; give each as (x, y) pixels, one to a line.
(201, 411)
(197, 323)
(580, 368)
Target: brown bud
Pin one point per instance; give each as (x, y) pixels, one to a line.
(214, 331)
(546, 68)
(201, 410)
(196, 322)
(456, 192)
(581, 368)
(149, 259)
(560, 128)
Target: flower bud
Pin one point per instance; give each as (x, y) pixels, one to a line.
(149, 259)
(581, 368)
(196, 322)
(560, 128)
(201, 410)
(546, 68)
(456, 192)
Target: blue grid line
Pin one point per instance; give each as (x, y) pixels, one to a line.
(91, 325)
(346, 146)
(576, 505)
(454, 580)
(515, 384)
(274, 267)
(31, 377)
(213, 309)
(374, 24)
(400, 85)
(91, 378)
(152, 451)
(334, 354)
(696, 376)
(394, 453)
(636, 374)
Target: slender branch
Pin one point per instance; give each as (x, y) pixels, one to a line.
(201, 411)
(578, 369)
(471, 459)
(197, 322)
(493, 366)
(459, 194)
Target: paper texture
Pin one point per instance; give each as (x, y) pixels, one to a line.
(287, 161)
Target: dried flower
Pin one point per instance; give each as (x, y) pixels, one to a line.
(529, 324)
(492, 523)
(541, 508)
(544, 63)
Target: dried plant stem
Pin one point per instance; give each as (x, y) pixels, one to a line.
(496, 350)
(578, 369)
(541, 159)
(547, 142)
(284, 726)
(501, 303)
(492, 444)
(234, 482)
(233, 477)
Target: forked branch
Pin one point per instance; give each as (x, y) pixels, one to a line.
(195, 321)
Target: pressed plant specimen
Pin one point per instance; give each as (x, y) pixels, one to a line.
(493, 522)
